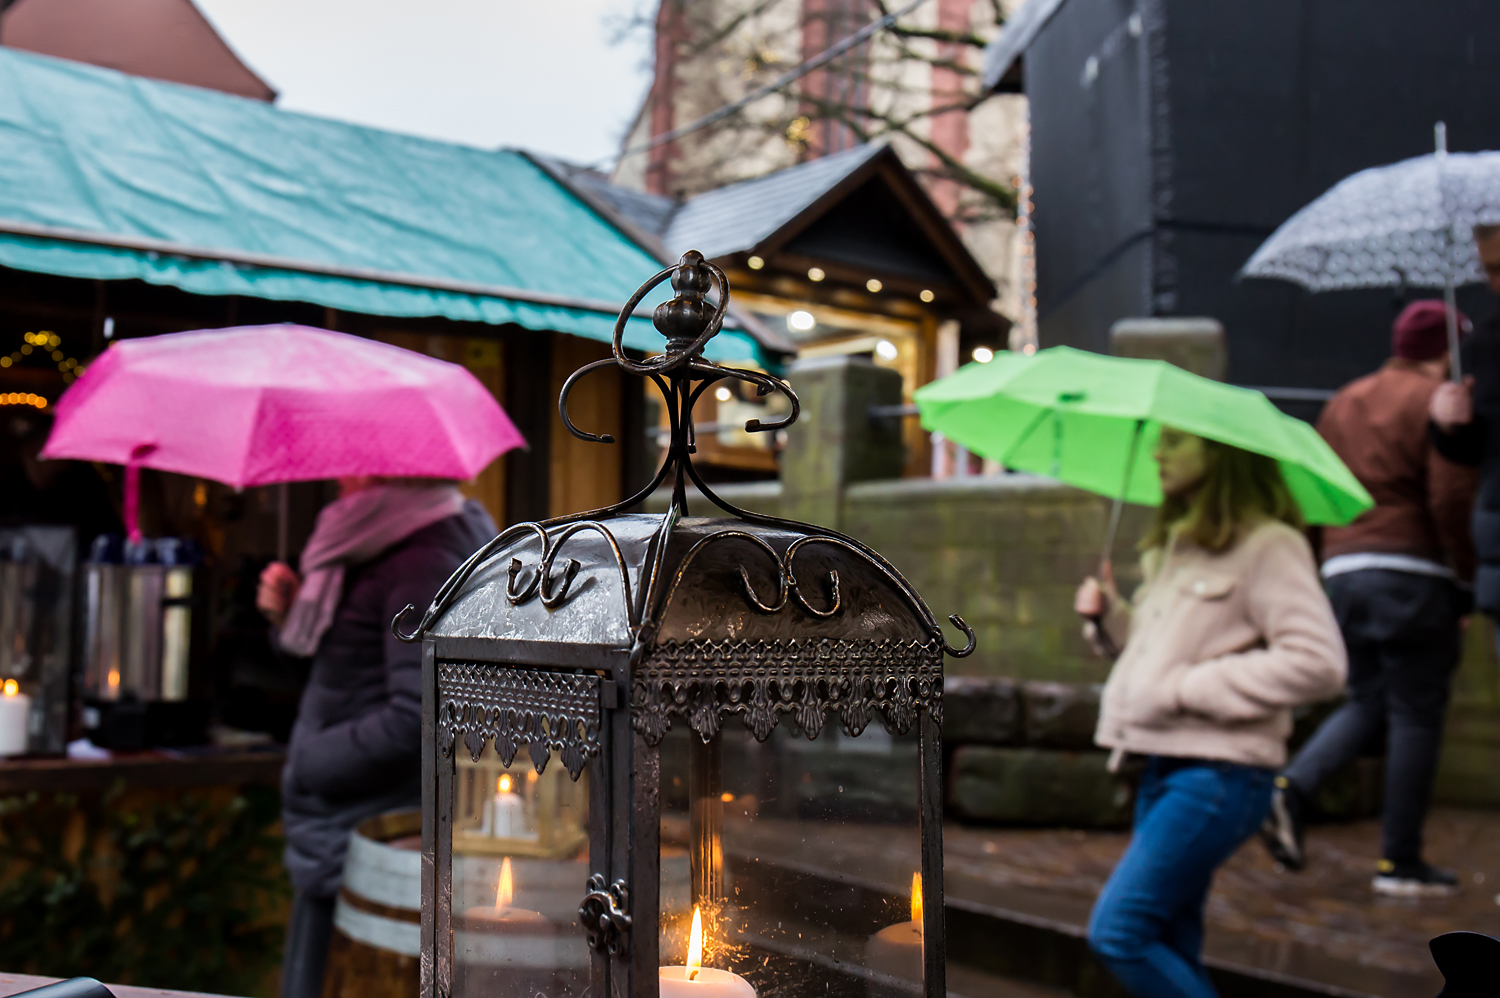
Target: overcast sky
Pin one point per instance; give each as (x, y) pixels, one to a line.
(536, 74)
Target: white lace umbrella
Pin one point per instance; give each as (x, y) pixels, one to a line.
(1410, 223)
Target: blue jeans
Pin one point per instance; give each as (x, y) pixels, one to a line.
(1190, 816)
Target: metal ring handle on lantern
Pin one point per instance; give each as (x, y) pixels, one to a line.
(691, 279)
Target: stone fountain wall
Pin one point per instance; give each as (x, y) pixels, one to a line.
(1007, 552)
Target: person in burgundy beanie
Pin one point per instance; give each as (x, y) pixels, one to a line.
(1398, 579)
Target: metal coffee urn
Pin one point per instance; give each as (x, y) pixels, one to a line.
(139, 643)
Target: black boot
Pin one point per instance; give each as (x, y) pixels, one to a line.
(1416, 879)
(1285, 827)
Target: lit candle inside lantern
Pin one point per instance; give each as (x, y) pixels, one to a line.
(508, 812)
(505, 915)
(697, 981)
(15, 719)
(897, 949)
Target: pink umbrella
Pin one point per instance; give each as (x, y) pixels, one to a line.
(257, 405)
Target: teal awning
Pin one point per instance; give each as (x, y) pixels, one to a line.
(109, 176)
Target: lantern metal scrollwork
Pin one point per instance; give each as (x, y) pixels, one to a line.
(798, 852)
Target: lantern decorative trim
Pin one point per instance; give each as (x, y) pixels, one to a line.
(544, 710)
(591, 636)
(706, 682)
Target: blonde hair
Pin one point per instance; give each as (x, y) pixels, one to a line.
(1239, 487)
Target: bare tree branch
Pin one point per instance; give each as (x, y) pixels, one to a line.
(872, 91)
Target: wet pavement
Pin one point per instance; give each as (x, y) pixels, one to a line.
(1322, 928)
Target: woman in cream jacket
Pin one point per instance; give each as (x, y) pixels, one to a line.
(1228, 632)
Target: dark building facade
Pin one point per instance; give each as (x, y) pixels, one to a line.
(1171, 137)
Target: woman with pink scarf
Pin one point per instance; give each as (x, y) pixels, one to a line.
(355, 750)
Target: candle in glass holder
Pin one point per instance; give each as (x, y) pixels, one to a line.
(505, 916)
(897, 949)
(693, 980)
(15, 719)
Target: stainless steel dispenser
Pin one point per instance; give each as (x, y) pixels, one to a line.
(139, 642)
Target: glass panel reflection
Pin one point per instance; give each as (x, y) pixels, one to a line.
(520, 859)
(805, 856)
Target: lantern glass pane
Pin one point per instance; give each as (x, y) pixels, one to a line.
(520, 860)
(818, 841)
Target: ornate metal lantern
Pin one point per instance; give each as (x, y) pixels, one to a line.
(722, 817)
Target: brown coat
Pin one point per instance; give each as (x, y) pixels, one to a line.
(1378, 425)
(1220, 648)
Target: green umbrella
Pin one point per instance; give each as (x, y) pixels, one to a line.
(1083, 418)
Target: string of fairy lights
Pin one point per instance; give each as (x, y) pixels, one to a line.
(40, 347)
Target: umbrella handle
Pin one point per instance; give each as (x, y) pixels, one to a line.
(1114, 513)
(133, 492)
(283, 513)
(1450, 306)
(1101, 636)
(133, 503)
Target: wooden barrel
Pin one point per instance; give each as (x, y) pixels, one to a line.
(377, 920)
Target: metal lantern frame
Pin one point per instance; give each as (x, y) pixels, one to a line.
(557, 682)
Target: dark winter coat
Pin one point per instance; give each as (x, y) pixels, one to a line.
(356, 747)
(1479, 444)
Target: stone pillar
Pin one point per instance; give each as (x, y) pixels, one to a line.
(835, 442)
(1193, 344)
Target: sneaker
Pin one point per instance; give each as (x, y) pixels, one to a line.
(1284, 829)
(1413, 880)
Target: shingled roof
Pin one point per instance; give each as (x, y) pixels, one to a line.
(862, 208)
(742, 216)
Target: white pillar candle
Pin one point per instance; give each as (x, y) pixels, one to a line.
(697, 981)
(15, 719)
(897, 949)
(508, 813)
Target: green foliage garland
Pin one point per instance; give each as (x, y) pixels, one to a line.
(178, 890)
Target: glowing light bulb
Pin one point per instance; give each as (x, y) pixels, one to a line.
(873, 286)
(755, 263)
(886, 350)
(815, 274)
(984, 354)
(723, 394)
(916, 898)
(926, 295)
(695, 945)
(801, 321)
(505, 892)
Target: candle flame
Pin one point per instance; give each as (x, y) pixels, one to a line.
(114, 679)
(503, 784)
(916, 898)
(12, 687)
(505, 894)
(695, 943)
